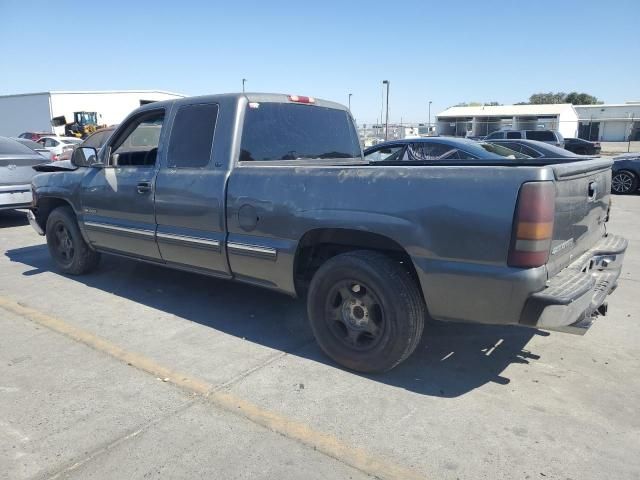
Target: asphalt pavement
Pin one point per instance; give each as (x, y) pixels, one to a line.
(135, 371)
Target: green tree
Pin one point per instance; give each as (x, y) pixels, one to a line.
(560, 97)
(581, 99)
(546, 98)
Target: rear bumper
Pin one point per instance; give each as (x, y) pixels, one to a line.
(577, 294)
(15, 196)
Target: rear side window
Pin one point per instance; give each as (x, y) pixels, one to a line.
(541, 135)
(514, 135)
(192, 136)
(282, 131)
(429, 150)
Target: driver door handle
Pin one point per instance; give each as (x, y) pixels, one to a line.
(144, 187)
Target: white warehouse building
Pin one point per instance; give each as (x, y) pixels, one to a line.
(609, 122)
(482, 120)
(33, 112)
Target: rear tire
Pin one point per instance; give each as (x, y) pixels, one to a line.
(624, 182)
(366, 311)
(70, 253)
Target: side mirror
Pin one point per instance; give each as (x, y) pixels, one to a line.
(85, 157)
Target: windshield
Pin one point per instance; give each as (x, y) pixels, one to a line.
(282, 131)
(85, 117)
(552, 150)
(30, 143)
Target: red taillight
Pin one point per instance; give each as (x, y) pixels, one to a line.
(533, 225)
(300, 99)
(55, 158)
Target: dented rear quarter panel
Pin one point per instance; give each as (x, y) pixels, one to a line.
(454, 221)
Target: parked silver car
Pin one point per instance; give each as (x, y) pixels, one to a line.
(552, 137)
(16, 162)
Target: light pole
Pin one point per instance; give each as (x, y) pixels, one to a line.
(243, 82)
(386, 121)
(350, 101)
(429, 126)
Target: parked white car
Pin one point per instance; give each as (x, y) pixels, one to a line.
(58, 145)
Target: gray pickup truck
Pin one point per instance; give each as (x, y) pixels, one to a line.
(273, 190)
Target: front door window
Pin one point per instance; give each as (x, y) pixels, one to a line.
(138, 145)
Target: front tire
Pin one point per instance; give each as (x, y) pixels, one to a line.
(366, 311)
(624, 182)
(70, 253)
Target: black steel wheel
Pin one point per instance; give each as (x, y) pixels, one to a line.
(70, 253)
(366, 311)
(354, 315)
(63, 248)
(624, 182)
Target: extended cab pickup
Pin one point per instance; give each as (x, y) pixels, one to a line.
(273, 190)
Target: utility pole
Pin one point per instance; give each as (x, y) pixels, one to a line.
(381, 106)
(429, 126)
(243, 82)
(386, 121)
(350, 101)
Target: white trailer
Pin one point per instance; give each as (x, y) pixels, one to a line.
(32, 112)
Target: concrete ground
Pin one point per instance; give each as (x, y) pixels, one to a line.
(135, 371)
(617, 148)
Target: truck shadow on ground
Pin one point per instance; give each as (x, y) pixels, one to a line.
(13, 218)
(451, 360)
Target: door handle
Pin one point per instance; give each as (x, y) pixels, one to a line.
(592, 190)
(144, 187)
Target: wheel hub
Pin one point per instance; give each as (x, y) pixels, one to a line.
(355, 313)
(622, 182)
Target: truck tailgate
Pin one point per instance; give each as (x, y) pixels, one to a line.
(582, 203)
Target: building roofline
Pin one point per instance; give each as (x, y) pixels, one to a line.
(506, 110)
(69, 92)
(24, 94)
(605, 105)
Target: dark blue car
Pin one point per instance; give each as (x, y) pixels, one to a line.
(438, 149)
(626, 171)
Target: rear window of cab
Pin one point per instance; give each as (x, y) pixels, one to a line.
(283, 131)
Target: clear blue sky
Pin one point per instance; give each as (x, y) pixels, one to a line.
(444, 51)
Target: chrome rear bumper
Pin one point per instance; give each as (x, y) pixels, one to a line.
(576, 295)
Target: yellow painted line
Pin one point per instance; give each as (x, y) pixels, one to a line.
(326, 443)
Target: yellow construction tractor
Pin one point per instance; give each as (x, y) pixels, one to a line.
(83, 125)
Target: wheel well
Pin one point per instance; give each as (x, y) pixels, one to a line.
(46, 206)
(318, 246)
